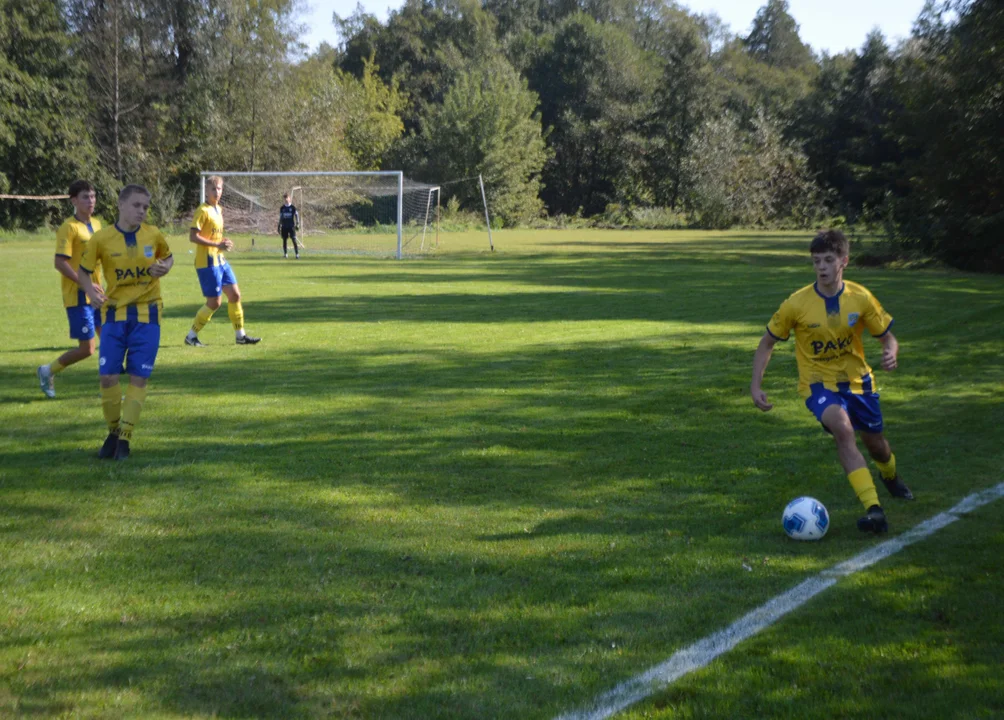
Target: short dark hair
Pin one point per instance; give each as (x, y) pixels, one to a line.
(129, 190)
(79, 186)
(830, 241)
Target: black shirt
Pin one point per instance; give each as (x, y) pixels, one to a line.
(288, 217)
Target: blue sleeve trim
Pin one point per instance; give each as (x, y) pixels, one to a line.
(781, 339)
(68, 257)
(888, 328)
(89, 272)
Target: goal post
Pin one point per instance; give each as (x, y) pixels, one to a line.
(342, 211)
(431, 215)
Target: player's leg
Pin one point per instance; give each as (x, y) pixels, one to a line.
(111, 356)
(285, 237)
(83, 351)
(866, 417)
(111, 408)
(82, 329)
(235, 309)
(835, 419)
(881, 453)
(132, 406)
(143, 343)
(830, 409)
(210, 280)
(296, 244)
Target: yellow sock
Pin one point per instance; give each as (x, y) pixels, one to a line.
(236, 313)
(111, 405)
(55, 367)
(202, 318)
(864, 487)
(131, 407)
(888, 469)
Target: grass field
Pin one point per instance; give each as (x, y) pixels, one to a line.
(491, 485)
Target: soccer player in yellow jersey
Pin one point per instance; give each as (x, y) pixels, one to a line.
(134, 256)
(212, 267)
(828, 319)
(71, 239)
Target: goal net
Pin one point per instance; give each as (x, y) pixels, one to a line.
(372, 213)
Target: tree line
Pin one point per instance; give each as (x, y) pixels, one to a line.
(624, 112)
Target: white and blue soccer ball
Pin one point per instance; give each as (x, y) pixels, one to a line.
(805, 518)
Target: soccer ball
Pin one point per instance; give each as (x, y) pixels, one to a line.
(805, 518)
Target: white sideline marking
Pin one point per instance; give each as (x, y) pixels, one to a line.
(702, 652)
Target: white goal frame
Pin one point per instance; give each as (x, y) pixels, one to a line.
(360, 173)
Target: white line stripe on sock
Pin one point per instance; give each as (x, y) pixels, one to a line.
(698, 655)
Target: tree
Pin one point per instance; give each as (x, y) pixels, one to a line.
(774, 40)
(751, 178)
(251, 105)
(104, 29)
(488, 124)
(424, 46)
(682, 101)
(951, 86)
(45, 141)
(374, 115)
(318, 108)
(596, 88)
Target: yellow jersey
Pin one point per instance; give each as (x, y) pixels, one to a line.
(71, 239)
(208, 220)
(828, 332)
(126, 258)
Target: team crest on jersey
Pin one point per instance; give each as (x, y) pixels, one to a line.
(852, 318)
(148, 251)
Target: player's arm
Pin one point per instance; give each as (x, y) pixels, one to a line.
(88, 262)
(62, 264)
(879, 324)
(195, 237)
(162, 267)
(763, 352)
(890, 351)
(64, 250)
(94, 292)
(165, 259)
(296, 218)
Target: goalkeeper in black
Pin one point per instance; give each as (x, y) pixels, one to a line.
(289, 222)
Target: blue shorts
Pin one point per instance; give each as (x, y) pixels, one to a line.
(83, 322)
(863, 410)
(213, 278)
(129, 342)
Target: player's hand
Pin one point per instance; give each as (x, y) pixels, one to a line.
(889, 361)
(97, 296)
(227, 244)
(158, 269)
(760, 399)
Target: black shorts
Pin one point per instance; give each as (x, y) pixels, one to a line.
(288, 232)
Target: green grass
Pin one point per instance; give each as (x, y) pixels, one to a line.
(490, 485)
